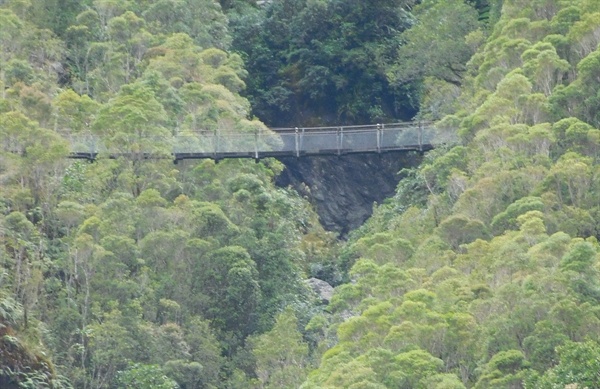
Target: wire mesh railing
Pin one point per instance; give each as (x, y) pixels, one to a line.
(296, 141)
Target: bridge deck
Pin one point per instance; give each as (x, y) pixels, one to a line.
(251, 154)
(278, 142)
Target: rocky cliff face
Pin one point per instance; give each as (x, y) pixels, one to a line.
(343, 189)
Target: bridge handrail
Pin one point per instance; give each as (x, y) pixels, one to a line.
(365, 127)
(276, 141)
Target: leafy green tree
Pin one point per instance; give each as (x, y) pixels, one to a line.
(111, 347)
(541, 345)
(570, 178)
(436, 44)
(144, 377)
(413, 368)
(204, 350)
(41, 152)
(126, 32)
(578, 365)
(281, 354)
(508, 219)
(505, 369)
(578, 265)
(81, 40)
(382, 247)
(583, 35)
(228, 278)
(186, 374)
(459, 230)
(439, 381)
(302, 52)
(55, 15)
(12, 28)
(190, 16)
(75, 113)
(544, 67)
(577, 98)
(131, 123)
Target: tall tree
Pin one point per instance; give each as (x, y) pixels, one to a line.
(322, 61)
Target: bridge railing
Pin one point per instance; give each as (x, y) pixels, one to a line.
(277, 141)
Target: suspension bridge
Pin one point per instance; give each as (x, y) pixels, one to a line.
(276, 142)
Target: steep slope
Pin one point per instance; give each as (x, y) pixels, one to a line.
(492, 281)
(482, 271)
(136, 267)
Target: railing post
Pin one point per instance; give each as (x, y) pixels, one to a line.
(256, 144)
(297, 143)
(420, 136)
(340, 140)
(378, 138)
(216, 144)
(93, 151)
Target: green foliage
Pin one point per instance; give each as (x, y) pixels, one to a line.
(502, 283)
(436, 46)
(578, 265)
(505, 369)
(322, 61)
(24, 364)
(144, 377)
(189, 17)
(507, 220)
(132, 122)
(140, 269)
(383, 248)
(439, 381)
(458, 230)
(281, 354)
(481, 272)
(414, 366)
(578, 366)
(229, 277)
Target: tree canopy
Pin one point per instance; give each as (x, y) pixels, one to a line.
(481, 272)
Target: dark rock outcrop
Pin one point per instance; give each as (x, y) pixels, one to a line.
(343, 189)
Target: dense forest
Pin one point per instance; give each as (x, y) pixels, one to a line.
(483, 271)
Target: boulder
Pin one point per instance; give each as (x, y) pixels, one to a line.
(321, 288)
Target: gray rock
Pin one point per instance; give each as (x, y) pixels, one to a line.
(343, 189)
(321, 288)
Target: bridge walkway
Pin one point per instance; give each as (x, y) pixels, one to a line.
(276, 142)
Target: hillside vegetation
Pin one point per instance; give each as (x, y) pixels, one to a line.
(481, 272)
(133, 272)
